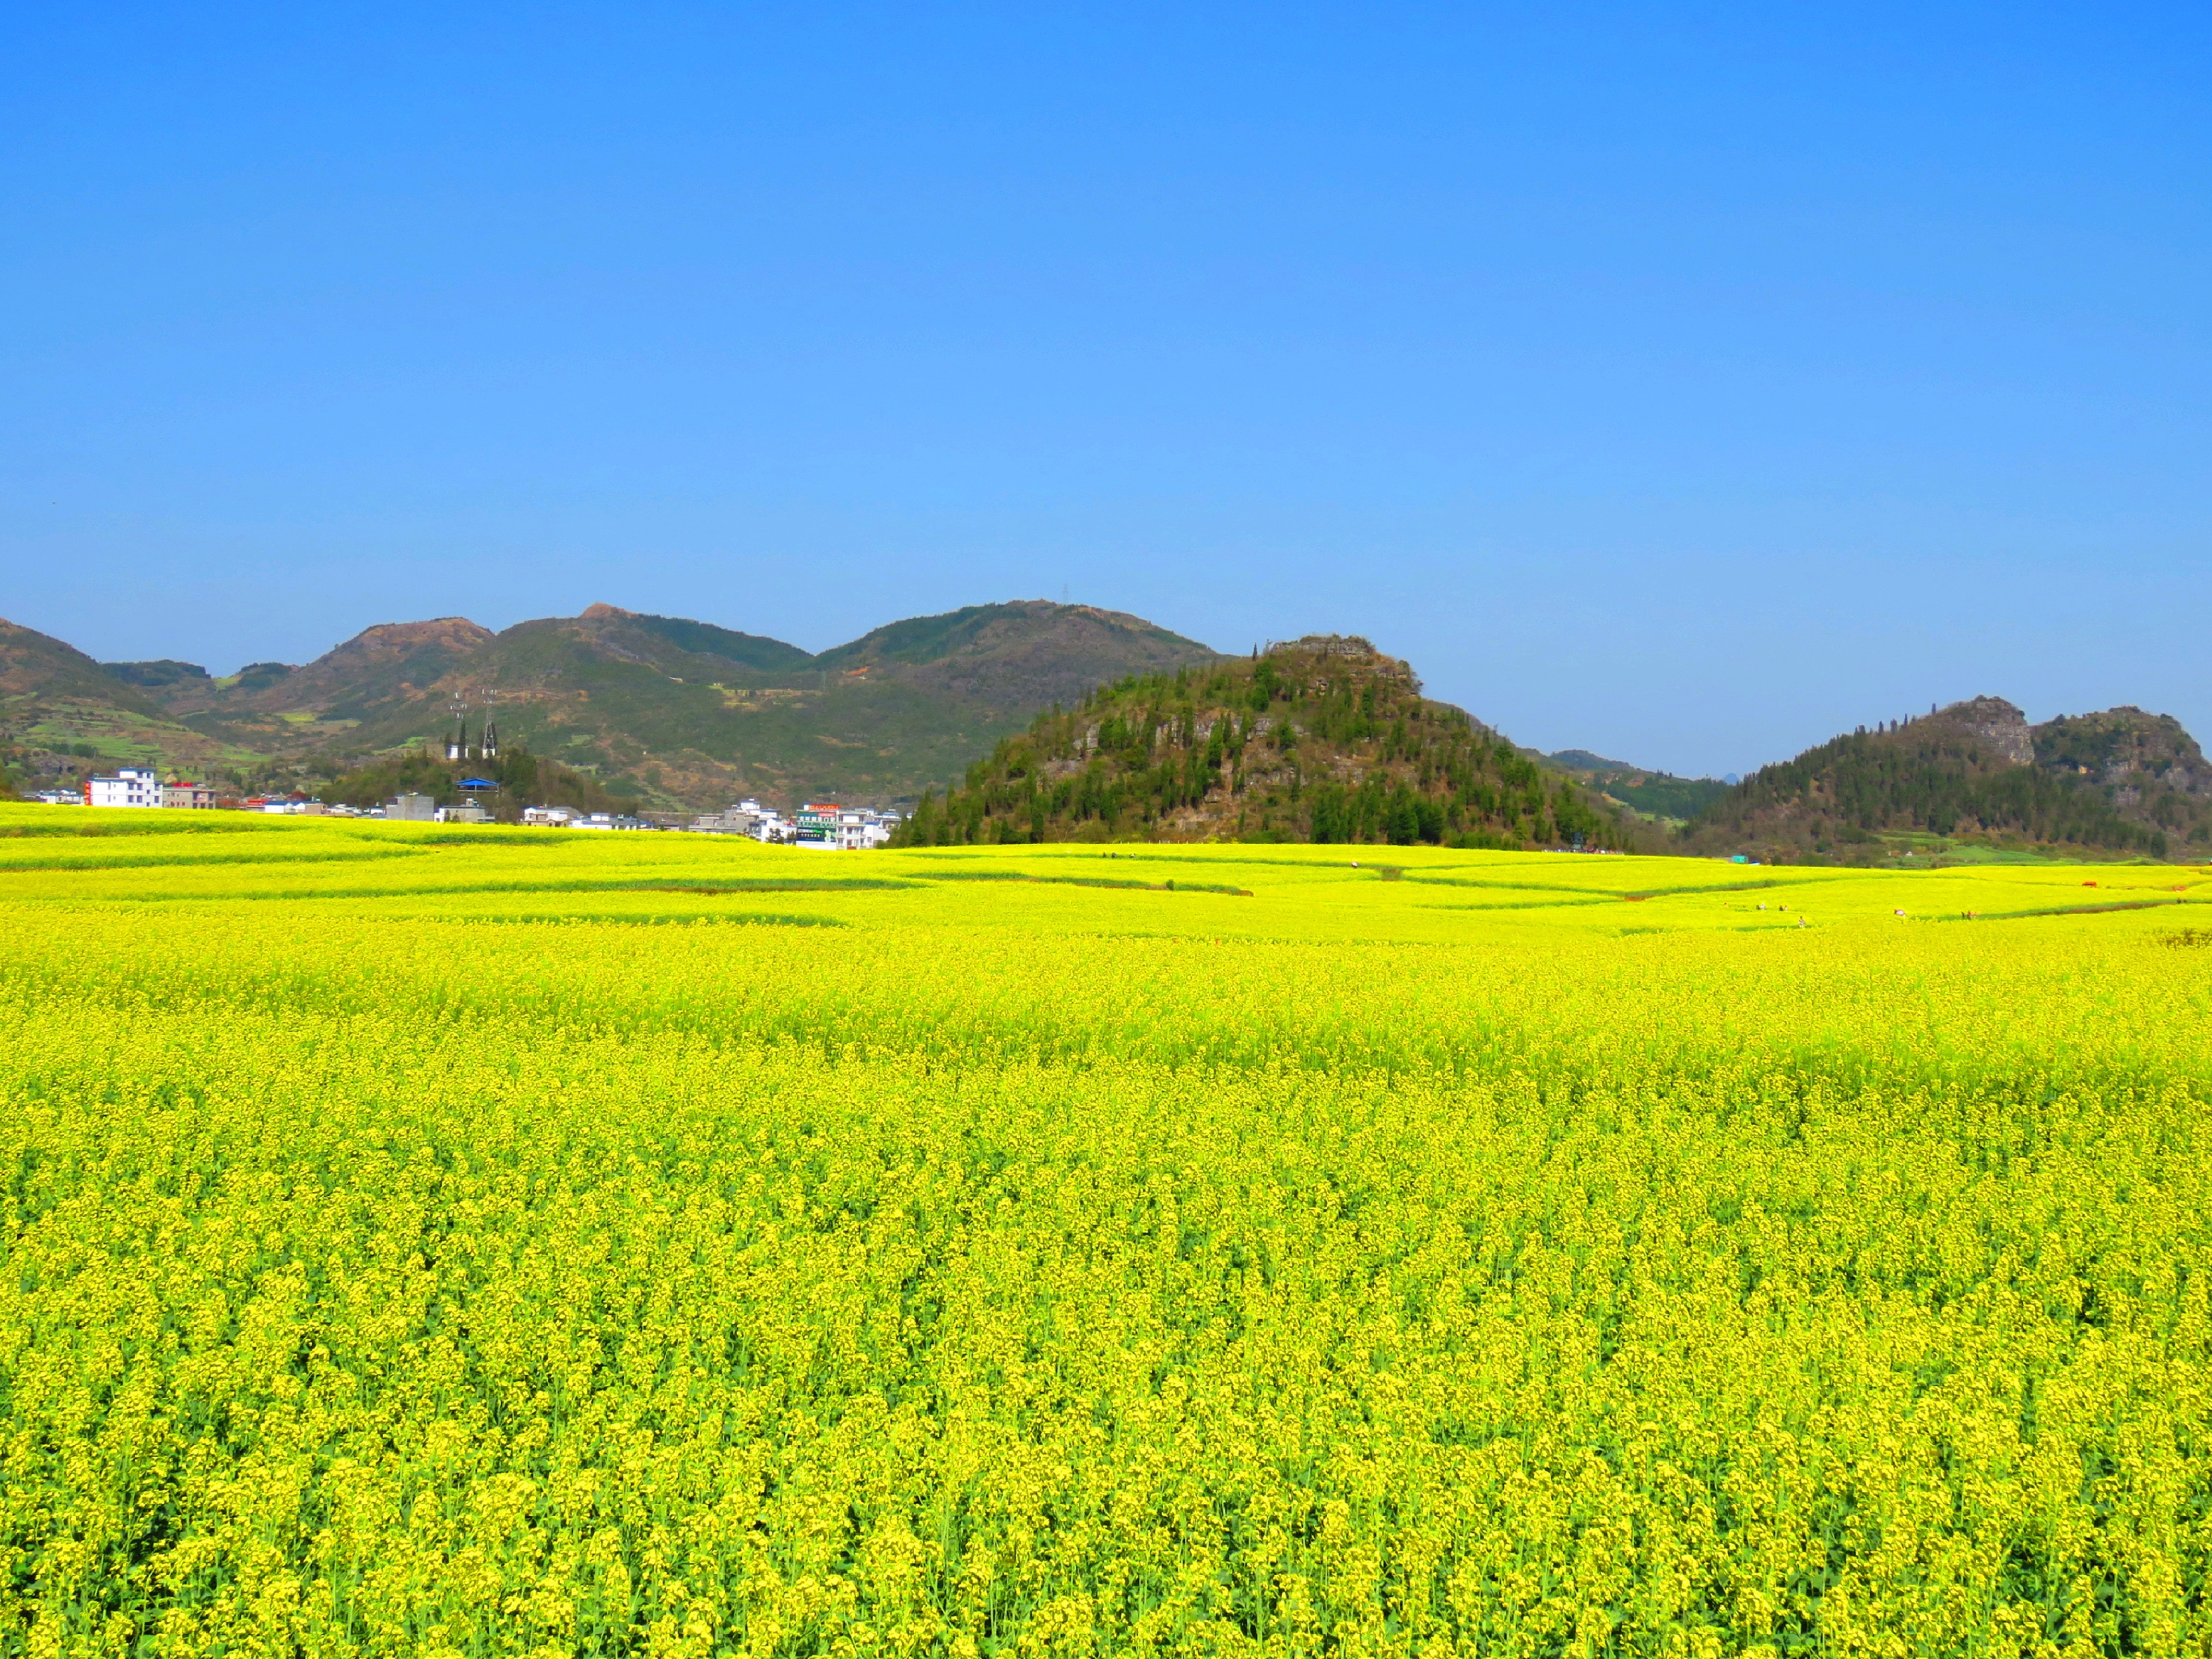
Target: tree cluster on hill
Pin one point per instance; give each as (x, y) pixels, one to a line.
(1325, 740)
(1659, 795)
(2146, 765)
(682, 711)
(1974, 769)
(523, 780)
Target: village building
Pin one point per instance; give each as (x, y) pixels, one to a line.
(747, 818)
(824, 825)
(739, 820)
(128, 785)
(769, 825)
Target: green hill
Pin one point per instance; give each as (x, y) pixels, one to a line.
(676, 712)
(35, 667)
(623, 697)
(1016, 659)
(698, 639)
(314, 713)
(2147, 766)
(692, 714)
(1978, 775)
(64, 715)
(1325, 740)
(1652, 794)
(168, 672)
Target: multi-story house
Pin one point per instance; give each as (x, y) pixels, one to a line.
(128, 785)
(843, 829)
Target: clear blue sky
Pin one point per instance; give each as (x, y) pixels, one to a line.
(1686, 384)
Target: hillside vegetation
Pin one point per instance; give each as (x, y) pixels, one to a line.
(1658, 795)
(1323, 740)
(675, 712)
(2121, 781)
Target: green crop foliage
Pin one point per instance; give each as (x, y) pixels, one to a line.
(427, 1241)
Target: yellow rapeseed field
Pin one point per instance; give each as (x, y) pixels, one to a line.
(429, 1240)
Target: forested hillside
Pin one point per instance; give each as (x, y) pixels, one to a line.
(1323, 740)
(1659, 795)
(63, 715)
(2145, 766)
(672, 711)
(2120, 781)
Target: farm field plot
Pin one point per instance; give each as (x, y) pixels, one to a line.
(429, 1240)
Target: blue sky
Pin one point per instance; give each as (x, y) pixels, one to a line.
(1686, 384)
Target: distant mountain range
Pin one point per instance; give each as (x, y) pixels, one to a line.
(673, 711)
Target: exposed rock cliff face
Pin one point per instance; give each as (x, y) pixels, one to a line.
(1994, 721)
(2146, 765)
(2125, 748)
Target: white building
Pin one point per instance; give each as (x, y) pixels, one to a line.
(747, 818)
(843, 829)
(547, 818)
(129, 786)
(768, 824)
(859, 829)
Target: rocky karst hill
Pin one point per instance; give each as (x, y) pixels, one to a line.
(2119, 781)
(1326, 740)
